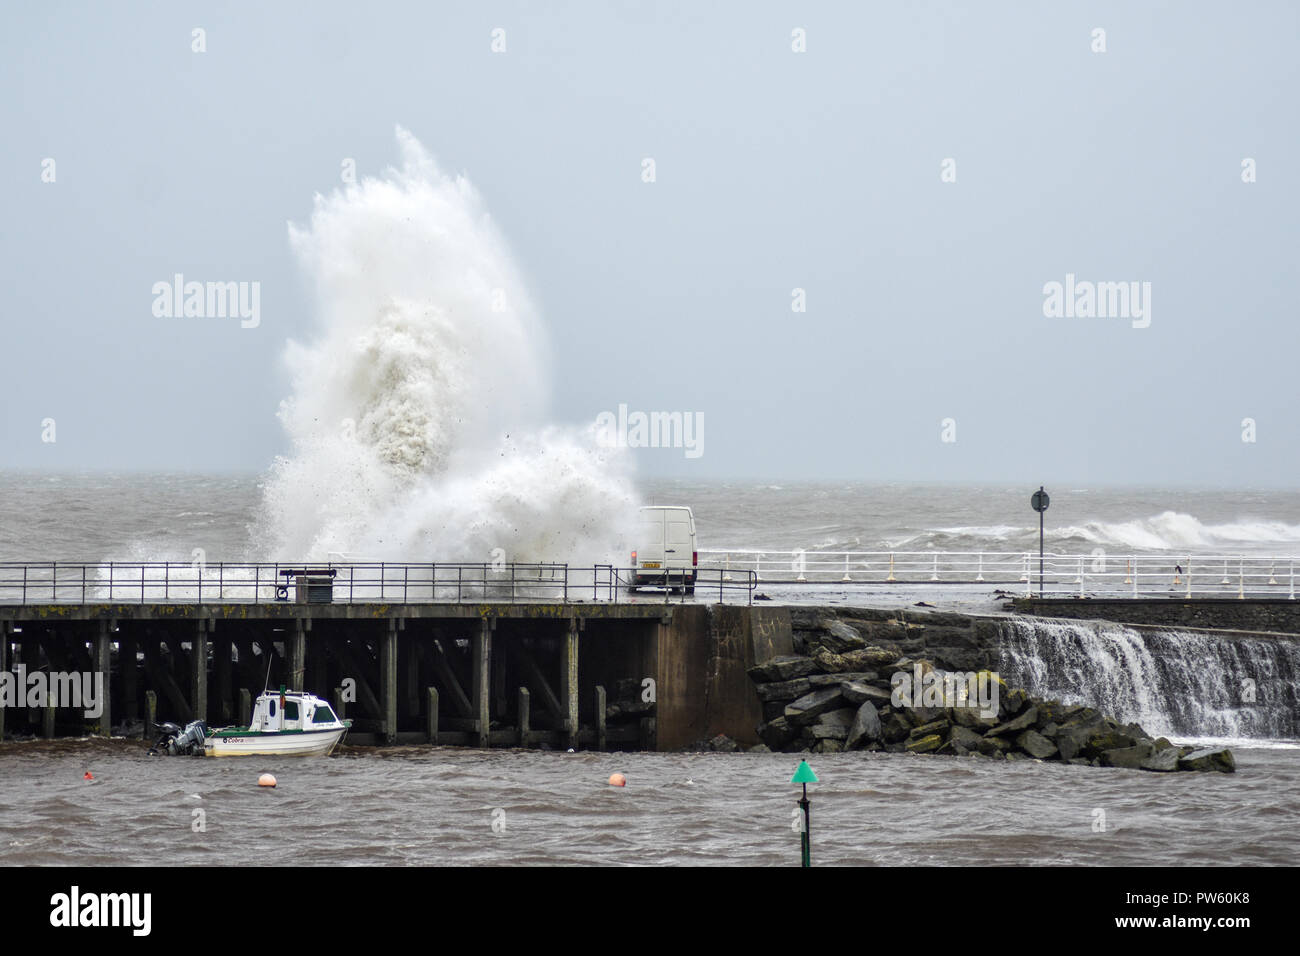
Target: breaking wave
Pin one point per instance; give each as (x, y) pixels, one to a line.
(417, 419)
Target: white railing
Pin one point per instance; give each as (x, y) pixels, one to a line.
(1080, 575)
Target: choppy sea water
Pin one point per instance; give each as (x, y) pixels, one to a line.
(424, 805)
(134, 517)
(438, 805)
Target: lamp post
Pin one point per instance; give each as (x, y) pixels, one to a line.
(1039, 502)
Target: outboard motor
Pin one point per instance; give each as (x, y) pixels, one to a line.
(179, 742)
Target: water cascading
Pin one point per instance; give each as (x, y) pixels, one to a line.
(1172, 682)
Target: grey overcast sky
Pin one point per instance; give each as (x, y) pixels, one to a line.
(775, 170)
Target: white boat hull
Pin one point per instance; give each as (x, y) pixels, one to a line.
(306, 743)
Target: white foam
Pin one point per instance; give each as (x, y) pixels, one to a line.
(417, 419)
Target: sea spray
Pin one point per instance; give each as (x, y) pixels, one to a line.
(417, 419)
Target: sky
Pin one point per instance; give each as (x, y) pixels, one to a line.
(838, 267)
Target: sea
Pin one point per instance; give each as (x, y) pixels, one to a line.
(442, 805)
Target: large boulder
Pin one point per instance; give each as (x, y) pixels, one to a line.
(894, 728)
(1131, 757)
(972, 717)
(839, 637)
(1012, 702)
(1072, 736)
(1109, 738)
(784, 690)
(1035, 744)
(809, 707)
(827, 680)
(940, 727)
(777, 733)
(783, 668)
(925, 745)
(871, 658)
(828, 662)
(1163, 759)
(858, 692)
(1015, 725)
(964, 739)
(993, 746)
(834, 724)
(957, 658)
(866, 727)
(1209, 758)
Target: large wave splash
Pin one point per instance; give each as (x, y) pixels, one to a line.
(417, 414)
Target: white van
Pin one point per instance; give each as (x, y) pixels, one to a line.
(665, 553)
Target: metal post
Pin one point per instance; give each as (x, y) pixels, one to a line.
(805, 842)
(1040, 552)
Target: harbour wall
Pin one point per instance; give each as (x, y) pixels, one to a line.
(648, 676)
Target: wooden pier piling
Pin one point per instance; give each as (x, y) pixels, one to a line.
(401, 665)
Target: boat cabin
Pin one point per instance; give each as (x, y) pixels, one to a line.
(299, 712)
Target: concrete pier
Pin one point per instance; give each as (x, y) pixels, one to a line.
(484, 675)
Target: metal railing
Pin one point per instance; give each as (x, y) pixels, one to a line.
(1096, 575)
(156, 582)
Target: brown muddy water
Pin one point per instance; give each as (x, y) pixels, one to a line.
(439, 806)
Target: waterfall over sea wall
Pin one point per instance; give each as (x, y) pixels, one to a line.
(1173, 682)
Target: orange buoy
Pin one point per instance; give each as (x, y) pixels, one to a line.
(88, 776)
(266, 780)
(617, 780)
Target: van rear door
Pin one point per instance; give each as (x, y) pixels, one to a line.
(650, 555)
(679, 539)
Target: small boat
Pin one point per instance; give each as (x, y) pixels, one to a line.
(287, 723)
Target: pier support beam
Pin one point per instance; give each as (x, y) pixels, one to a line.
(442, 667)
(221, 651)
(388, 679)
(433, 715)
(298, 655)
(482, 680)
(569, 682)
(6, 629)
(245, 707)
(150, 716)
(524, 717)
(352, 669)
(129, 669)
(103, 664)
(199, 671)
(600, 717)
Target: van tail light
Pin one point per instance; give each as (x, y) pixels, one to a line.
(695, 559)
(633, 557)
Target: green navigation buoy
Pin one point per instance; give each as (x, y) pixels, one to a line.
(805, 776)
